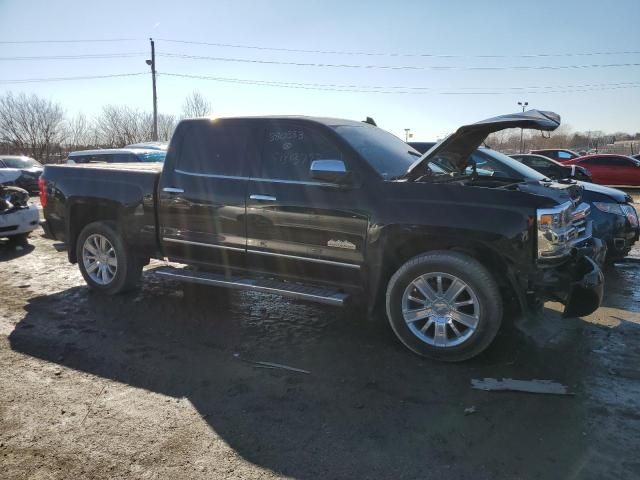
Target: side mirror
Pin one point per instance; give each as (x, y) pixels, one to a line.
(332, 171)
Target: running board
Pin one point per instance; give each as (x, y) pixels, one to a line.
(287, 289)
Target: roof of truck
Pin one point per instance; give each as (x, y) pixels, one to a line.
(331, 122)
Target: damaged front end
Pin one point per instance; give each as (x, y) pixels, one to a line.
(12, 198)
(569, 260)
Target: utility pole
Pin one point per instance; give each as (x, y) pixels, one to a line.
(523, 105)
(152, 64)
(407, 134)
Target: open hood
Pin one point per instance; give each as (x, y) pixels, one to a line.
(457, 148)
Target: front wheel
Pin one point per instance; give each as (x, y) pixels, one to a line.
(444, 305)
(105, 263)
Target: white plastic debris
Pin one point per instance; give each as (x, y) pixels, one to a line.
(529, 386)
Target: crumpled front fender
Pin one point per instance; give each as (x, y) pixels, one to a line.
(585, 295)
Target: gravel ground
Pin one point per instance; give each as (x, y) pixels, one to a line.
(158, 384)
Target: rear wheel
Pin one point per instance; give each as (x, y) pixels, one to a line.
(105, 263)
(444, 305)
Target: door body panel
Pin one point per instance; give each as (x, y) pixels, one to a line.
(202, 191)
(308, 231)
(297, 226)
(205, 222)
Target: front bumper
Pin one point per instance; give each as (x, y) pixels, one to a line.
(577, 283)
(16, 222)
(616, 231)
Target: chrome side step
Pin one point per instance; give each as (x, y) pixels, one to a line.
(287, 289)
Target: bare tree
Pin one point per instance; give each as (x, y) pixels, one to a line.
(195, 105)
(166, 125)
(119, 125)
(31, 124)
(79, 132)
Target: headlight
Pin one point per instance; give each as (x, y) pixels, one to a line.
(555, 231)
(630, 213)
(608, 207)
(624, 210)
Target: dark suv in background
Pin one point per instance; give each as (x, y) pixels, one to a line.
(30, 170)
(552, 168)
(559, 154)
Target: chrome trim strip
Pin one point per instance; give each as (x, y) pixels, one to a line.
(336, 299)
(200, 244)
(261, 252)
(172, 190)
(256, 179)
(308, 259)
(209, 175)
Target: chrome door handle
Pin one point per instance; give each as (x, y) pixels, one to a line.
(172, 190)
(263, 198)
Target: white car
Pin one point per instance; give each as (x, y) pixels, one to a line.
(18, 216)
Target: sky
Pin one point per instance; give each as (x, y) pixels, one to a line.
(454, 62)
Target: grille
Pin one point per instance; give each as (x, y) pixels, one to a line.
(579, 219)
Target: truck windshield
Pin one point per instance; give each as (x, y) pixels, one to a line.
(385, 152)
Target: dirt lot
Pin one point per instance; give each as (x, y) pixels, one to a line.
(155, 385)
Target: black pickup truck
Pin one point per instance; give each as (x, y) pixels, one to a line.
(330, 210)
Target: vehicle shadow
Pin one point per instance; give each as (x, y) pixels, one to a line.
(367, 409)
(10, 250)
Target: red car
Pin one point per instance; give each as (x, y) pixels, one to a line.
(609, 169)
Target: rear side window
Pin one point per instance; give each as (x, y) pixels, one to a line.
(121, 158)
(212, 147)
(535, 162)
(621, 162)
(289, 149)
(592, 161)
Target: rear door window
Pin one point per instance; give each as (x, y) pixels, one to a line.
(288, 149)
(212, 147)
(564, 155)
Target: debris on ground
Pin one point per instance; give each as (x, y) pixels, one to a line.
(272, 365)
(528, 386)
(278, 365)
(470, 410)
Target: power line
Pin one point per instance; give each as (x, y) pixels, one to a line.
(93, 40)
(74, 57)
(397, 54)
(60, 79)
(409, 90)
(394, 67)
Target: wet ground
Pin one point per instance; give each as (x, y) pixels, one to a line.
(158, 384)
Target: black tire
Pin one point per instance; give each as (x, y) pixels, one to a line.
(129, 267)
(469, 271)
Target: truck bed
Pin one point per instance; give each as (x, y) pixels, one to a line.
(121, 192)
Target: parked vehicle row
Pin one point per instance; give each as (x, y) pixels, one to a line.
(610, 169)
(335, 211)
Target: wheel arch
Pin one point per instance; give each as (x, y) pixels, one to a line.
(395, 253)
(80, 214)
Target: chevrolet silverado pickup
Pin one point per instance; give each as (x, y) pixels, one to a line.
(335, 211)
